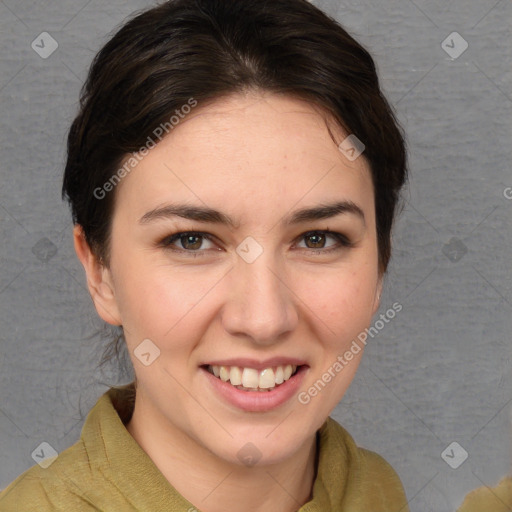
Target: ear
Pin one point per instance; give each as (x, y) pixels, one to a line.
(99, 279)
(378, 292)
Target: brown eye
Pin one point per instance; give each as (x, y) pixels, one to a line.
(191, 241)
(317, 240)
(188, 242)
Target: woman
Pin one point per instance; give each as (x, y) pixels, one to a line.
(233, 174)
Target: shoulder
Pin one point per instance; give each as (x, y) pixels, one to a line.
(371, 480)
(56, 487)
(497, 499)
(86, 476)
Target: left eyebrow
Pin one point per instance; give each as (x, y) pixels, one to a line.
(209, 215)
(325, 211)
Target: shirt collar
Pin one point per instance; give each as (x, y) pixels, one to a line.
(115, 453)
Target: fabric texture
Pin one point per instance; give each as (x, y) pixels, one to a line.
(487, 499)
(107, 470)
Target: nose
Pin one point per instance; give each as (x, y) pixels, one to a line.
(261, 303)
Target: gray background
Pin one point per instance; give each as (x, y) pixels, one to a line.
(439, 372)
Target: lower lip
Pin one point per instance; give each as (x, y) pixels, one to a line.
(257, 401)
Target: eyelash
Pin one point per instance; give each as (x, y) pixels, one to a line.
(342, 240)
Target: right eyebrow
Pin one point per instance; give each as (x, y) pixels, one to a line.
(197, 213)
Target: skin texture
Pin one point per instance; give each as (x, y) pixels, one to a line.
(256, 157)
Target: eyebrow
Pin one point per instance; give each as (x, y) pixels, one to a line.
(209, 215)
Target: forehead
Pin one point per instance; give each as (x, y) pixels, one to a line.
(284, 125)
(255, 150)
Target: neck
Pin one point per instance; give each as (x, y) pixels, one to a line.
(215, 485)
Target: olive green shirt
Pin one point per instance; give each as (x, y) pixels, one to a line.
(489, 499)
(107, 470)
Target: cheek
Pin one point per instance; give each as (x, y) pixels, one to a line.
(342, 301)
(159, 302)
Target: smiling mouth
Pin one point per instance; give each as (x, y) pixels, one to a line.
(250, 379)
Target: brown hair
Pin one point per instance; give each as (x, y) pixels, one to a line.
(206, 49)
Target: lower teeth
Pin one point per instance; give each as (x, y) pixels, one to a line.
(261, 390)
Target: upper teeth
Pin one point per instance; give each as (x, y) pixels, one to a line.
(251, 378)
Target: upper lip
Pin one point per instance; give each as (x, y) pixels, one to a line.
(247, 362)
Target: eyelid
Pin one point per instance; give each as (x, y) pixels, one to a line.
(168, 240)
(343, 239)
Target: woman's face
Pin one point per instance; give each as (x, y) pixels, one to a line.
(266, 290)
